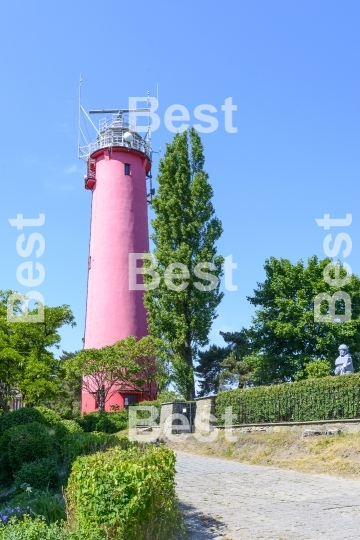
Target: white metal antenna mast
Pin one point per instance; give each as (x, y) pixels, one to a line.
(79, 128)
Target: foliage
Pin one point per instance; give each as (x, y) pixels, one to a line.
(106, 422)
(80, 444)
(20, 417)
(26, 361)
(168, 396)
(67, 401)
(64, 428)
(6, 472)
(49, 505)
(182, 376)
(50, 418)
(315, 370)
(19, 432)
(145, 351)
(185, 231)
(323, 398)
(145, 414)
(28, 443)
(33, 442)
(209, 369)
(32, 529)
(284, 337)
(36, 503)
(38, 474)
(9, 512)
(234, 369)
(28, 415)
(107, 370)
(124, 494)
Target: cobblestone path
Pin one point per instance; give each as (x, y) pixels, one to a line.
(224, 499)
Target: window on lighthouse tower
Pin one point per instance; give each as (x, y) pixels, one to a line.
(127, 168)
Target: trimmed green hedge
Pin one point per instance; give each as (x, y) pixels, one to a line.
(326, 398)
(124, 494)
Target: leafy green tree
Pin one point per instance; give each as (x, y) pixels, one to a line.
(315, 370)
(284, 337)
(153, 366)
(67, 401)
(27, 362)
(107, 370)
(183, 306)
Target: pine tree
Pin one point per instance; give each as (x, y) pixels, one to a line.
(185, 230)
(210, 367)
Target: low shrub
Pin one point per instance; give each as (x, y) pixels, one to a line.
(32, 529)
(6, 473)
(48, 505)
(28, 443)
(36, 503)
(325, 398)
(63, 429)
(167, 396)
(38, 474)
(71, 426)
(125, 494)
(106, 422)
(50, 417)
(19, 417)
(8, 512)
(79, 444)
(27, 415)
(146, 414)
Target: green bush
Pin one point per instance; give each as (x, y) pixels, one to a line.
(50, 506)
(28, 443)
(32, 529)
(6, 473)
(167, 396)
(106, 422)
(80, 444)
(315, 370)
(63, 429)
(38, 474)
(324, 398)
(146, 414)
(42, 415)
(125, 494)
(51, 418)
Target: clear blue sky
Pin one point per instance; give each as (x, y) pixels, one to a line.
(291, 67)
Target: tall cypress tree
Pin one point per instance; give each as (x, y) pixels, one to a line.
(182, 309)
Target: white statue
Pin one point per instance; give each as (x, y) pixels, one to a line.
(343, 363)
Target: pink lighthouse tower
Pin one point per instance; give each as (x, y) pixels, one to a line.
(118, 164)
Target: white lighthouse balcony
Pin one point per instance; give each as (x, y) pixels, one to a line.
(117, 130)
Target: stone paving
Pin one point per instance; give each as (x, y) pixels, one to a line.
(225, 499)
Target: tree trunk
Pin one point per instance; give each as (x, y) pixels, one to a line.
(101, 399)
(4, 397)
(191, 386)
